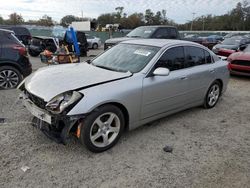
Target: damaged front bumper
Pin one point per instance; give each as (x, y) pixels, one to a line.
(56, 127)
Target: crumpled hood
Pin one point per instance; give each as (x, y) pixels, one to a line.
(50, 81)
(120, 39)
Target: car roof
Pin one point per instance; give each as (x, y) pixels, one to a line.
(159, 42)
(6, 30)
(158, 26)
(19, 30)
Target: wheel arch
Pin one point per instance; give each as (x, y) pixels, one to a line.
(11, 64)
(123, 109)
(221, 83)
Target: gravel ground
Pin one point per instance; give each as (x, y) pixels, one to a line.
(211, 148)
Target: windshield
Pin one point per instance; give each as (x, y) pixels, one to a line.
(142, 32)
(247, 49)
(126, 57)
(231, 41)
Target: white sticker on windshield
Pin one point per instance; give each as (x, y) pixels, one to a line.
(148, 31)
(142, 52)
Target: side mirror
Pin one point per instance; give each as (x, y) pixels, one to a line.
(242, 47)
(161, 71)
(88, 61)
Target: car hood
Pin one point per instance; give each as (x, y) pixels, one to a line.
(120, 39)
(231, 47)
(240, 56)
(48, 82)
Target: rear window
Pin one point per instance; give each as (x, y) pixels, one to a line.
(11, 38)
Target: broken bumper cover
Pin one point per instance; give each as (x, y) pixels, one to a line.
(49, 124)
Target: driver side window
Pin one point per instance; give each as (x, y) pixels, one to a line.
(173, 59)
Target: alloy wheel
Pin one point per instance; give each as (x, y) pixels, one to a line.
(105, 129)
(8, 79)
(213, 95)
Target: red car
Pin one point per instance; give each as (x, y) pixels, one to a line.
(239, 62)
(225, 52)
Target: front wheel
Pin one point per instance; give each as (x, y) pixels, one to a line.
(213, 95)
(9, 77)
(102, 129)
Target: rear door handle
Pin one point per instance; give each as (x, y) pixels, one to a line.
(184, 78)
(212, 70)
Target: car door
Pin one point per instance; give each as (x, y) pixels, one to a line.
(165, 93)
(200, 72)
(1, 41)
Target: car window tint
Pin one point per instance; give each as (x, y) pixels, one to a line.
(208, 57)
(173, 59)
(161, 33)
(194, 56)
(172, 33)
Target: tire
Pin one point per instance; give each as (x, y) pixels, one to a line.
(33, 53)
(213, 95)
(95, 46)
(102, 129)
(10, 77)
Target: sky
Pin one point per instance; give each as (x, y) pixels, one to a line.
(180, 11)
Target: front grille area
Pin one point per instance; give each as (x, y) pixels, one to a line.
(36, 100)
(241, 62)
(243, 71)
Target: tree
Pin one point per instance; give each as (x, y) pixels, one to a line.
(109, 18)
(1, 20)
(46, 21)
(149, 17)
(67, 20)
(15, 19)
(119, 13)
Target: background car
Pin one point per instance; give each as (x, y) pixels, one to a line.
(93, 42)
(217, 38)
(22, 33)
(133, 83)
(40, 43)
(14, 62)
(233, 44)
(154, 31)
(239, 62)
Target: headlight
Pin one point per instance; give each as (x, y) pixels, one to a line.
(63, 101)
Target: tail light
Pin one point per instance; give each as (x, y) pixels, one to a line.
(22, 50)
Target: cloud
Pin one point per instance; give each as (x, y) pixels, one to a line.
(178, 10)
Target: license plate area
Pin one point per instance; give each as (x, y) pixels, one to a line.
(37, 112)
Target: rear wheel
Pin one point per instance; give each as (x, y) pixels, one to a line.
(213, 95)
(102, 128)
(9, 77)
(95, 46)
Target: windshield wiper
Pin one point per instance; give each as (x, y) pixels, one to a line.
(107, 68)
(135, 36)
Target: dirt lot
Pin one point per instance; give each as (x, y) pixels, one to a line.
(211, 148)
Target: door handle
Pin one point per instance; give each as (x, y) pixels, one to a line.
(212, 70)
(184, 78)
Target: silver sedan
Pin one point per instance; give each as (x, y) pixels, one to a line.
(131, 84)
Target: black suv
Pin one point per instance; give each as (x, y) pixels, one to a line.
(154, 31)
(22, 33)
(14, 62)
